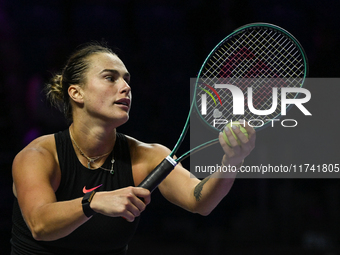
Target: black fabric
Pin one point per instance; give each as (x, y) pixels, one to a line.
(99, 235)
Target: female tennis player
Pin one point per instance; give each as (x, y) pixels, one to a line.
(76, 190)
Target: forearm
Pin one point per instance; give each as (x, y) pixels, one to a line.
(52, 221)
(210, 191)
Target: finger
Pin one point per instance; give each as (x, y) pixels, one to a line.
(223, 143)
(252, 134)
(229, 151)
(250, 142)
(250, 130)
(135, 205)
(131, 212)
(233, 142)
(239, 134)
(143, 194)
(128, 216)
(136, 208)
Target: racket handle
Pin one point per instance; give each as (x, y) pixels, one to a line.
(158, 174)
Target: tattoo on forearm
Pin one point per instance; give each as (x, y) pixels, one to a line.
(198, 189)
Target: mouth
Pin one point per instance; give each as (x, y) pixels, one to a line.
(124, 101)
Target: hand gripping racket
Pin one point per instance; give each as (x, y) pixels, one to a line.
(260, 56)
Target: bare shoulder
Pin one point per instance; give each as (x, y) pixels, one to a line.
(141, 151)
(145, 157)
(37, 161)
(44, 145)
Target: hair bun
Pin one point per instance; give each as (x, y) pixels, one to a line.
(55, 91)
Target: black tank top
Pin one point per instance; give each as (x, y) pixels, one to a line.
(100, 234)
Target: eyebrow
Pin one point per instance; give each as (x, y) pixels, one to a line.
(113, 71)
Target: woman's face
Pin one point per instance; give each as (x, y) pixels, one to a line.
(106, 93)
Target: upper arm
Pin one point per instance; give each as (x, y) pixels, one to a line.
(35, 178)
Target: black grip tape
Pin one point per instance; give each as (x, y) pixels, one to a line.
(157, 175)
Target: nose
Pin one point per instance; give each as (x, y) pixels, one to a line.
(125, 89)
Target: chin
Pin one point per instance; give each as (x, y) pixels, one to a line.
(122, 120)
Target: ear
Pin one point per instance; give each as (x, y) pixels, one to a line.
(76, 93)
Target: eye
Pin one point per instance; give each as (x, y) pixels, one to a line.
(109, 78)
(127, 80)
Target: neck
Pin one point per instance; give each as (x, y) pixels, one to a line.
(93, 141)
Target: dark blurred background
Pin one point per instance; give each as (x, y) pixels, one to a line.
(163, 44)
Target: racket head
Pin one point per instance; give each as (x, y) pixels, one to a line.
(262, 56)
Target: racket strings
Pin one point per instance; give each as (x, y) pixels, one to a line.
(274, 49)
(262, 59)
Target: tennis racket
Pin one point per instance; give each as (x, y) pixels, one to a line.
(260, 56)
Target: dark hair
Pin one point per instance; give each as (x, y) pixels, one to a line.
(73, 73)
